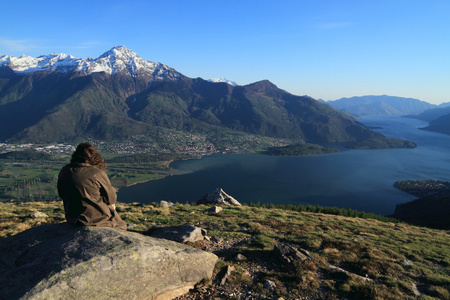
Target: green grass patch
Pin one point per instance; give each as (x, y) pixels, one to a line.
(394, 256)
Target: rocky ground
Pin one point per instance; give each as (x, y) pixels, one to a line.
(273, 253)
(247, 277)
(224, 285)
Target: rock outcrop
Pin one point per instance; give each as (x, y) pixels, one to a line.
(38, 214)
(218, 197)
(214, 210)
(182, 233)
(60, 261)
(165, 203)
(289, 254)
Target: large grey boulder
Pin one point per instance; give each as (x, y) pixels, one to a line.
(218, 196)
(60, 261)
(214, 210)
(182, 233)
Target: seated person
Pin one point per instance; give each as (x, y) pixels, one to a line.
(88, 196)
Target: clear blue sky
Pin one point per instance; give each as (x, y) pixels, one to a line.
(324, 49)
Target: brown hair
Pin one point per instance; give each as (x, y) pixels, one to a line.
(86, 153)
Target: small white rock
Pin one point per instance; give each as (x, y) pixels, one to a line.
(38, 214)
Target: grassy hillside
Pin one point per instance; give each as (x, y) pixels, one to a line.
(378, 260)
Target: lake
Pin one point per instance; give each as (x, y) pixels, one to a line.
(357, 179)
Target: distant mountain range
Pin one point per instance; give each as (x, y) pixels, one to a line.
(380, 105)
(441, 124)
(439, 118)
(62, 98)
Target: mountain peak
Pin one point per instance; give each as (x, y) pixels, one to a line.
(118, 59)
(119, 47)
(263, 84)
(121, 52)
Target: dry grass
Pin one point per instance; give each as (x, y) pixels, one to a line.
(396, 257)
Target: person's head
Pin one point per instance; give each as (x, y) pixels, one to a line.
(86, 153)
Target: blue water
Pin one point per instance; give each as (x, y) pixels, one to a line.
(357, 179)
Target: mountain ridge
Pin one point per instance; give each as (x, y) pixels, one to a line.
(437, 117)
(119, 95)
(380, 105)
(118, 59)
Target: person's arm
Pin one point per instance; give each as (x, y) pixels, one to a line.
(107, 191)
(62, 190)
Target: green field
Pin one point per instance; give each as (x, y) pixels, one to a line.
(23, 179)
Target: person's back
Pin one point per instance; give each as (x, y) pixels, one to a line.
(88, 196)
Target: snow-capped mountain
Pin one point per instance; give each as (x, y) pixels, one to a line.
(59, 97)
(215, 80)
(119, 59)
(27, 64)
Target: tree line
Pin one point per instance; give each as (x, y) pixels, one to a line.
(345, 212)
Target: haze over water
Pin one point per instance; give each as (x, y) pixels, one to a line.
(357, 179)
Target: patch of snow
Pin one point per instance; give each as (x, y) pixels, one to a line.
(119, 59)
(216, 80)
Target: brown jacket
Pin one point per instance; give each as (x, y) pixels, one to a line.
(88, 196)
